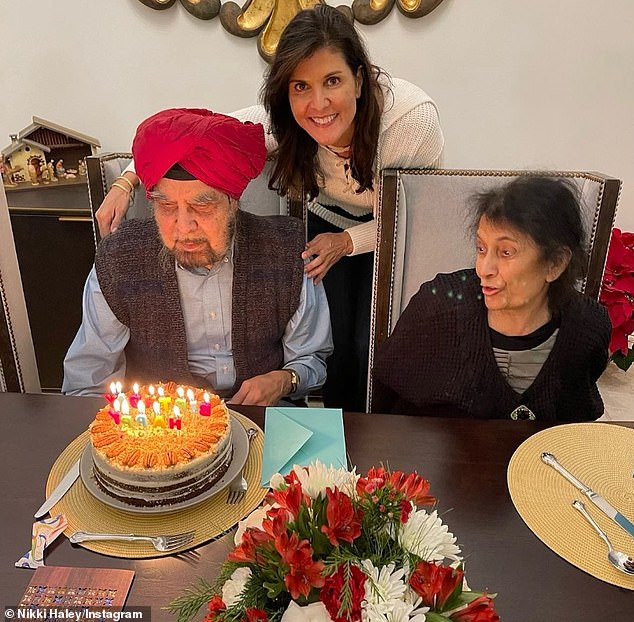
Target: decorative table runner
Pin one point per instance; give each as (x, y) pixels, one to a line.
(602, 457)
(209, 519)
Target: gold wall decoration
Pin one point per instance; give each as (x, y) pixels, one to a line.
(268, 18)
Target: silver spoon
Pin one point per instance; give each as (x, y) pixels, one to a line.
(619, 560)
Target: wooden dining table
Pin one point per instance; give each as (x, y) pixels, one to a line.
(465, 461)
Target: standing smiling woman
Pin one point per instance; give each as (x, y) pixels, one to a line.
(334, 121)
(337, 121)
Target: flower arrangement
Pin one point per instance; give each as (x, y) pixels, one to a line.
(617, 294)
(331, 546)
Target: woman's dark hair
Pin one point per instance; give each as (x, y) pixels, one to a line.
(547, 210)
(296, 167)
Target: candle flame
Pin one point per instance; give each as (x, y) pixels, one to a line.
(206, 397)
(141, 406)
(118, 386)
(113, 388)
(151, 389)
(161, 391)
(180, 391)
(190, 395)
(125, 407)
(135, 388)
(116, 405)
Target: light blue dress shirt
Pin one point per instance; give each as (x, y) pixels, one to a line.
(96, 357)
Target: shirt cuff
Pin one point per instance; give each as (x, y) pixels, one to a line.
(129, 168)
(363, 237)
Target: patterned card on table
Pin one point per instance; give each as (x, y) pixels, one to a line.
(61, 586)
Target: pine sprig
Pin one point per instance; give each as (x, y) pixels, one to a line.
(187, 606)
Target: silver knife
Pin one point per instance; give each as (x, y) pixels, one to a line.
(608, 509)
(60, 490)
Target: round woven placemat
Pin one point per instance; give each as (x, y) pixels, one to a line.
(209, 519)
(602, 457)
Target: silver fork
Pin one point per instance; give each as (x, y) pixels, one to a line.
(160, 543)
(238, 487)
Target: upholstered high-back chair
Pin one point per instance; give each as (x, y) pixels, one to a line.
(423, 222)
(104, 168)
(18, 367)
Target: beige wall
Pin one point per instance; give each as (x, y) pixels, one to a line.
(540, 84)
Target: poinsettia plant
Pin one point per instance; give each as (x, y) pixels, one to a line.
(329, 545)
(617, 294)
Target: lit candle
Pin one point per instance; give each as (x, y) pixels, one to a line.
(180, 400)
(205, 406)
(116, 405)
(151, 390)
(192, 401)
(135, 397)
(110, 397)
(118, 386)
(164, 400)
(156, 407)
(125, 407)
(175, 419)
(159, 421)
(141, 417)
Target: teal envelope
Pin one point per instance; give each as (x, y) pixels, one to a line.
(300, 436)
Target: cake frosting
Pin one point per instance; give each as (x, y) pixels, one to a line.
(160, 445)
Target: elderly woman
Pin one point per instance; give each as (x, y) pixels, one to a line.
(512, 338)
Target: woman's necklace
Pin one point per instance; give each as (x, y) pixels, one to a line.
(343, 154)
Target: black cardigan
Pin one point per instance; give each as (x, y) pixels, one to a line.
(440, 355)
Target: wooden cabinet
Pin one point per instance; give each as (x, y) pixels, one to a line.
(54, 241)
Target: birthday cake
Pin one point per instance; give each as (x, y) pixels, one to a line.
(162, 445)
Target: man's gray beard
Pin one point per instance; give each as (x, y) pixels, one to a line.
(200, 259)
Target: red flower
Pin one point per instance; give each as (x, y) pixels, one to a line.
(289, 498)
(330, 595)
(246, 550)
(406, 508)
(256, 615)
(617, 290)
(303, 572)
(344, 522)
(413, 486)
(435, 583)
(478, 610)
(276, 522)
(216, 605)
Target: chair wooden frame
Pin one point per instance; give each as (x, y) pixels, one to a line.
(18, 366)
(384, 314)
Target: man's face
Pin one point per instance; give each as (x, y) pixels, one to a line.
(196, 222)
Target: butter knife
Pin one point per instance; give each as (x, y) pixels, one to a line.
(597, 499)
(60, 490)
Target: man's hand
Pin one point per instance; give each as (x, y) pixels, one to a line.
(324, 251)
(114, 207)
(264, 390)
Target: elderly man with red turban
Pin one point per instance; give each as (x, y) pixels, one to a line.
(203, 294)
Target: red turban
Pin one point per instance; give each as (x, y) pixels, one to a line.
(220, 151)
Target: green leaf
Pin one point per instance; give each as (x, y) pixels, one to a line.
(432, 616)
(186, 606)
(623, 361)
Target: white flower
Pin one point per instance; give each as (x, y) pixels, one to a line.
(318, 477)
(425, 535)
(277, 481)
(315, 612)
(383, 588)
(233, 587)
(388, 598)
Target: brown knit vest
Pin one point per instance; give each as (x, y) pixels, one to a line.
(142, 291)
